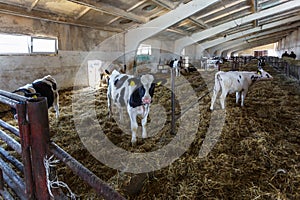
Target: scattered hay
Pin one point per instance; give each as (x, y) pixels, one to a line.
(256, 156)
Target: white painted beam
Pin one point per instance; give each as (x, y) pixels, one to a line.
(136, 35)
(254, 44)
(248, 43)
(186, 41)
(220, 40)
(237, 42)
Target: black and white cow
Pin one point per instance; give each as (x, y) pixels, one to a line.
(135, 93)
(238, 82)
(104, 72)
(44, 87)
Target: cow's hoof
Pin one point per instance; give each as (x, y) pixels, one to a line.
(133, 144)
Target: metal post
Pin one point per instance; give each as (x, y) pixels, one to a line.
(173, 101)
(25, 144)
(40, 139)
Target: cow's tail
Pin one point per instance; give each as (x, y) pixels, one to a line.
(218, 80)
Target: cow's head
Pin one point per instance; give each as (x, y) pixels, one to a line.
(263, 75)
(144, 89)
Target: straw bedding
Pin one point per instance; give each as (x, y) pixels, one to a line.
(255, 157)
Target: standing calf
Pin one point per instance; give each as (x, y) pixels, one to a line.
(44, 87)
(133, 92)
(238, 82)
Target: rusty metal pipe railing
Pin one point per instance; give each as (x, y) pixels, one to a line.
(10, 128)
(37, 111)
(13, 96)
(3, 192)
(11, 142)
(13, 179)
(100, 186)
(5, 100)
(15, 188)
(24, 131)
(14, 161)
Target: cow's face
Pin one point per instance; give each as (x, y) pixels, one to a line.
(263, 75)
(144, 89)
(147, 88)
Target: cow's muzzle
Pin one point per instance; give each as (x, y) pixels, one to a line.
(146, 100)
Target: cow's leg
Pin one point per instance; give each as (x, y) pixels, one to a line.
(121, 114)
(222, 98)
(101, 79)
(237, 97)
(214, 96)
(109, 102)
(243, 96)
(144, 123)
(134, 127)
(56, 105)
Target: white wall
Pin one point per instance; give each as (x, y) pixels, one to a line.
(289, 43)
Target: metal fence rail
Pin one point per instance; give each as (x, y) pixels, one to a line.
(290, 67)
(25, 179)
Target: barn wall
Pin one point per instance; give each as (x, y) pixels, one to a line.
(290, 43)
(74, 45)
(250, 52)
(162, 51)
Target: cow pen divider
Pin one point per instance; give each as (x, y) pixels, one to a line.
(27, 179)
(288, 67)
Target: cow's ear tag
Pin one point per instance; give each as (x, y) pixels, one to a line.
(158, 83)
(132, 83)
(258, 72)
(34, 96)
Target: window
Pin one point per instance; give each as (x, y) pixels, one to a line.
(14, 44)
(43, 45)
(23, 44)
(144, 49)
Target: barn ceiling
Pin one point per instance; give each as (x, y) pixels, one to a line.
(210, 20)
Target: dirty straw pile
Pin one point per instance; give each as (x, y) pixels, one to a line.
(256, 156)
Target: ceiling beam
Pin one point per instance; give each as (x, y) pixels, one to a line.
(253, 45)
(128, 10)
(257, 43)
(258, 35)
(186, 41)
(133, 36)
(171, 6)
(39, 15)
(251, 39)
(33, 5)
(82, 13)
(221, 40)
(165, 3)
(111, 10)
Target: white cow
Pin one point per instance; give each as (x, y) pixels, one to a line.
(238, 82)
(135, 93)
